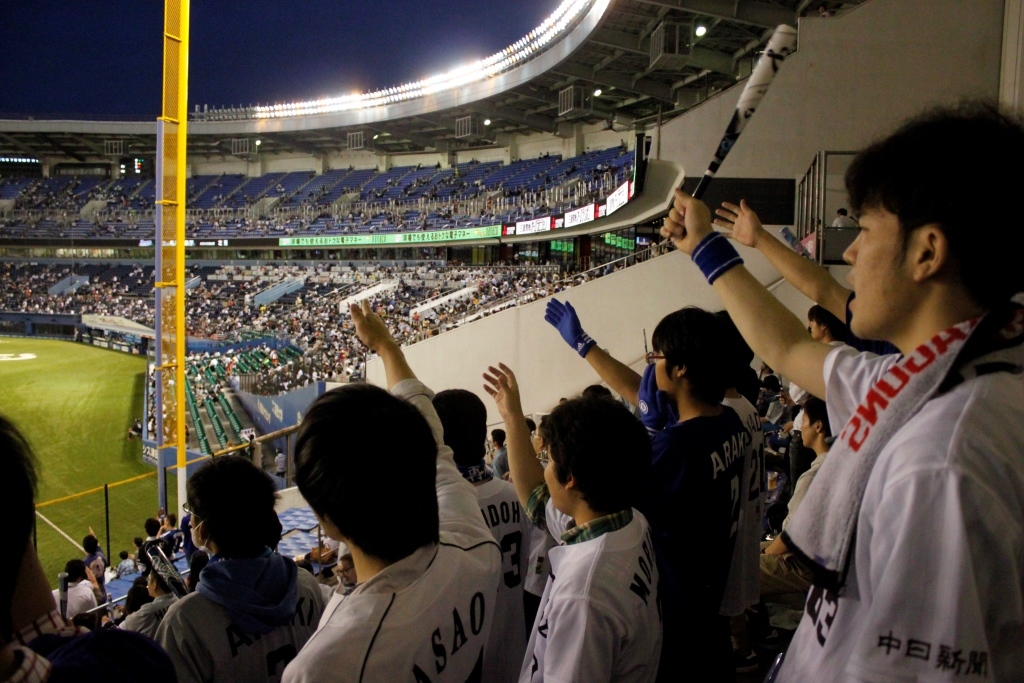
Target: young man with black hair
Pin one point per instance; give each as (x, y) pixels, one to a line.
(914, 520)
(95, 560)
(253, 609)
(499, 462)
(147, 618)
(36, 644)
(700, 452)
(425, 601)
(80, 596)
(464, 419)
(600, 615)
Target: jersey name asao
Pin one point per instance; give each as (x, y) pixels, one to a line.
(742, 589)
(600, 615)
(511, 529)
(427, 617)
(206, 645)
(936, 586)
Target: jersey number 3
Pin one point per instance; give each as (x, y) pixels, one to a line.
(511, 547)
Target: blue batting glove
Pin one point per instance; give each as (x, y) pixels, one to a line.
(656, 407)
(564, 319)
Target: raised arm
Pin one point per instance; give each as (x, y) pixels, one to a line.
(619, 376)
(774, 334)
(372, 331)
(810, 279)
(527, 472)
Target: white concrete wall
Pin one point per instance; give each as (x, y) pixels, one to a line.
(852, 80)
(218, 166)
(614, 310)
(427, 160)
(484, 155)
(289, 163)
(364, 159)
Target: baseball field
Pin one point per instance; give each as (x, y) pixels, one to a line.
(75, 404)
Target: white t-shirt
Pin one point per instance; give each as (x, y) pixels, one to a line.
(511, 528)
(81, 598)
(936, 586)
(426, 617)
(743, 587)
(600, 614)
(205, 644)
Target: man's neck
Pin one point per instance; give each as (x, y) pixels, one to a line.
(689, 408)
(367, 566)
(947, 308)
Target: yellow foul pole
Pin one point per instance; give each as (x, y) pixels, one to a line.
(170, 277)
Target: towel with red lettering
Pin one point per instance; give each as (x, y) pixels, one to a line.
(823, 529)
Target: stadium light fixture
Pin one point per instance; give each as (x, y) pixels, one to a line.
(376, 135)
(487, 122)
(701, 30)
(259, 142)
(510, 57)
(597, 93)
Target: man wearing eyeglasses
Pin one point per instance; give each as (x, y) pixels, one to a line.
(699, 450)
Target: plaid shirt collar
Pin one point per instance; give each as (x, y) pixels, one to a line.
(32, 667)
(598, 527)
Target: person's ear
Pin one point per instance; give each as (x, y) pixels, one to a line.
(679, 373)
(928, 249)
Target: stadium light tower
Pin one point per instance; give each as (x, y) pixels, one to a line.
(170, 246)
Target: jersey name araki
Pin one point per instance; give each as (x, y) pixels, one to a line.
(732, 450)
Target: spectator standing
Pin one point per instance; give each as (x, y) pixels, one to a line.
(499, 462)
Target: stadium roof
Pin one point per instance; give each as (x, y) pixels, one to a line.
(605, 49)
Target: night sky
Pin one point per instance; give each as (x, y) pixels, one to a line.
(103, 59)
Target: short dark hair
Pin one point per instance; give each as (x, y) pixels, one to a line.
(602, 447)
(90, 544)
(841, 212)
(75, 570)
(909, 174)
(138, 542)
(531, 425)
(499, 436)
(152, 527)
(123, 554)
(816, 411)
(360, 448)
(235, 500)
(836, 327)
(464, 418)
(772, 383)
(17, 509)
(597, 391)
(692, 337)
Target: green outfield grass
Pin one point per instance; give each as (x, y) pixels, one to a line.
(75, 404)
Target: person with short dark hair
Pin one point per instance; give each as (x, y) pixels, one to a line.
(152, 527)
(600, 615)
(597, 391)
(80, 595)
(364, 455)
(253, 609)
(927, 471)
(147, 618)
(499, 461)
(95, 560)
(700, 450)
(36, 643)
(126, 567)
(464, 420)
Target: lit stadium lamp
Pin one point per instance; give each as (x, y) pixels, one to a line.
(597, 93)
(487, 122)
(701, 30)
(377, 135)
(259, 142)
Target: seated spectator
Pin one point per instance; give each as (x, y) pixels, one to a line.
(127, 565)
(36, 643)
(147, 618)
(600, 620)
(436, 581)
(152, 527)
(253, 609)
(81, 597)
(464, 420)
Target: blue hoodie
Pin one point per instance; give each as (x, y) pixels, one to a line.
(259, 593)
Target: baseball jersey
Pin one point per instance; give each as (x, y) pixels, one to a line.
(539, 568)
(426, 617)
(742, 588)
(205, 645)
(147, 618)
(935, 589)
(600, 615)
(510, 527)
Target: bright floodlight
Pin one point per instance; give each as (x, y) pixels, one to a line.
(597, 93)
(259, 142)
(487, 122)
(701, 30)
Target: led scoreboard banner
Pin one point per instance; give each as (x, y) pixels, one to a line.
(402, 238)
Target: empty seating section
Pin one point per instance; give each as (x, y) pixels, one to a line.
(337, 201)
